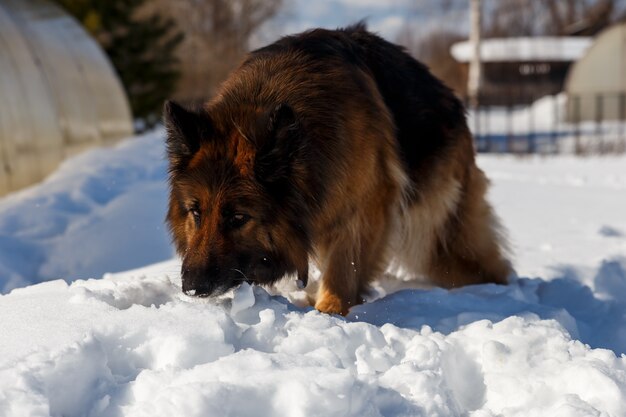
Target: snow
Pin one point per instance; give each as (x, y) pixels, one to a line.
(130, 343)
(118, 195)
(525, 49)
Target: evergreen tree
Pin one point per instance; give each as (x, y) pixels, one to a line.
(140, 44)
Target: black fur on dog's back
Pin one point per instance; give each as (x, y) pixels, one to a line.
(427, 114)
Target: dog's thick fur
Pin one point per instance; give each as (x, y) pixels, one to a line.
(336, 146)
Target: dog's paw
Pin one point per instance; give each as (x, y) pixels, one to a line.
(331, 304)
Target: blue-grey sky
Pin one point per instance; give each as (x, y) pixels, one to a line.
(387, 17)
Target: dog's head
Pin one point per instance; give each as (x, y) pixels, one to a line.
(231, 211)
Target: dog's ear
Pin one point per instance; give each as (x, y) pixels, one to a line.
(282, 134)
(185, 130)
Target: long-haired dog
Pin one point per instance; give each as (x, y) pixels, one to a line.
(335, 146)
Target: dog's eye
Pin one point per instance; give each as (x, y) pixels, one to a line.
(237, 220)
(195, 212)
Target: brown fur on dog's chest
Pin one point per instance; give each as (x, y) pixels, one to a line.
(335, 146)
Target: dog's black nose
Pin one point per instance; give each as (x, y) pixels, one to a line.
(200, 283)
(196, 289)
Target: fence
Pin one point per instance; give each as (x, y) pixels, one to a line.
(578, 124)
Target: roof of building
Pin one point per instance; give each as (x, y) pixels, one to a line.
(551, 49)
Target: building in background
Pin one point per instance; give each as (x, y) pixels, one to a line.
(596, 84)
(59, 93)
(521, 70)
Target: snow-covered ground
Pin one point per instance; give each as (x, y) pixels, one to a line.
(102, 211)
(551, 343)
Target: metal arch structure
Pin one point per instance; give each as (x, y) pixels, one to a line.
(59, 94)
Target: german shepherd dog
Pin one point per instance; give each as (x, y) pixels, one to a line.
(335, 146)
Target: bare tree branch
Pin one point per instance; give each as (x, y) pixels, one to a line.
(217, 33)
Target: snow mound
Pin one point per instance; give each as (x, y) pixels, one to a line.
(135, 345)
(131, 344)
(117, 195)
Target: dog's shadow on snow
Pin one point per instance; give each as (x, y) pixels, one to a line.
(597, 318)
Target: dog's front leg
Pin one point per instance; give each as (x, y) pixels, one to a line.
(339, 289)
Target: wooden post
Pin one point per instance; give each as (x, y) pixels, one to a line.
(475, 71)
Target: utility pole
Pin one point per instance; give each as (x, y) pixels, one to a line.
(475, 70)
